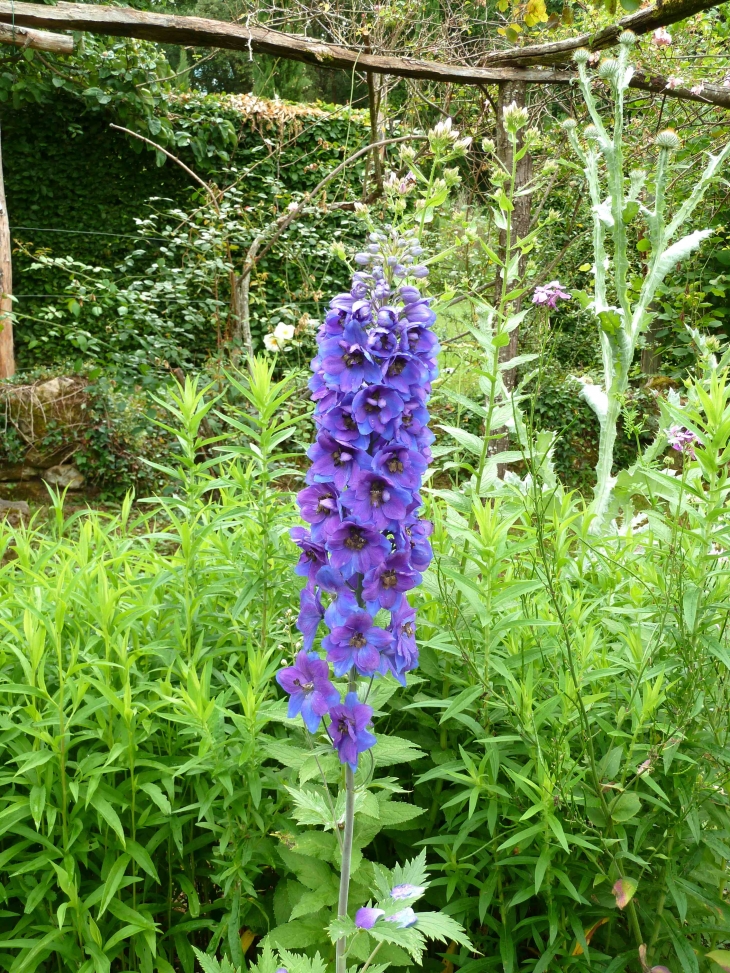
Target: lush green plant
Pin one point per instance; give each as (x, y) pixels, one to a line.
(135, 677)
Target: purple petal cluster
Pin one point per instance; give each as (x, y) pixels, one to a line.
(548, 295)
(366, 546)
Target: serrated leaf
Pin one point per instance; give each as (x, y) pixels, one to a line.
(395, 750)
(437, 925)
(310, 807)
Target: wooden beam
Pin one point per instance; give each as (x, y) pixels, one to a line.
(535, 63)
(199, 32)
(39, 40)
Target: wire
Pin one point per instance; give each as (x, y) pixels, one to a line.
(179, 300)
(53, 229)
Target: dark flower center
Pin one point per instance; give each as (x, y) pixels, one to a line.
(358, 640)
(388, 579)
(339, 457)
(394, 465)
(353, 358)
(344, 724)
(306, 686)
(376, 495)
(397, 366)
(324, 504)
(312, 555)
(356, 541)
(408, 629)
(348, 422)
(406, 419)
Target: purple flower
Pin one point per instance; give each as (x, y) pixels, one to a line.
(319, 505)
(332, 461)
(406, 891)
(413, 422)
(355, 549)
(401, 656)
(401, 465)
(384, 585)
(371, 383)
(310, 691)
(548, 295)
(417, 542)
(404, 918)
(313, 555)
(346, 361)
(339, 422)
(356, 644)
(311, 614)
(405, 372)
(347, 729)
(374, 499)
(366, 917)
(383, 343)
(682, 440)
(376, 409)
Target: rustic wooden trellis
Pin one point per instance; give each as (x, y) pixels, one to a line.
(31, 25)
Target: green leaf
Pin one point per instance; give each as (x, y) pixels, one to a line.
(112, 883)
(437, 925)
(473, 444)
(109, 814)
(721, 957)
(158, 796)
(626, 806)
(464, 699)
(395, 750)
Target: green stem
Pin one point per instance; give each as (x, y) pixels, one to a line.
(341, 946)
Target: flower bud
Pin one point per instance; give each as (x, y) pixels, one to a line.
(627, 38)
(668, 140)
(590, 132)
(488, 146)
(515, 117)
(569, 125)
(582, 55)
(608, 69)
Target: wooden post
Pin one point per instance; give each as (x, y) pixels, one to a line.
(7, 354)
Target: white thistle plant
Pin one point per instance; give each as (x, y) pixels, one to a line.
(616, 202)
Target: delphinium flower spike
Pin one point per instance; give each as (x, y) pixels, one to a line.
(366, 546)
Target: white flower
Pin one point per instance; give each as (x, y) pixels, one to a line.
(697, 89)
(270, 343)
(284, 333)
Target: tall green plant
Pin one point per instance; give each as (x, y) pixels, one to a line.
(621, 302)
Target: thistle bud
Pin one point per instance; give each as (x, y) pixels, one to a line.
(590, 132)
(582, 55)
(569, 125)
(627, 38)
(608, 69)
(515, 118)
(668, 140)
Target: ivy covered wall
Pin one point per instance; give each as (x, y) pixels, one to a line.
(67, 170)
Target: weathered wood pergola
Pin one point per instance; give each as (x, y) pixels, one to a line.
(35, 25)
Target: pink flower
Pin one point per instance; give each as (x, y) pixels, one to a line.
(697, 89)
(661, 37)
(682, 440)
(548, 295)
(673, 83)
